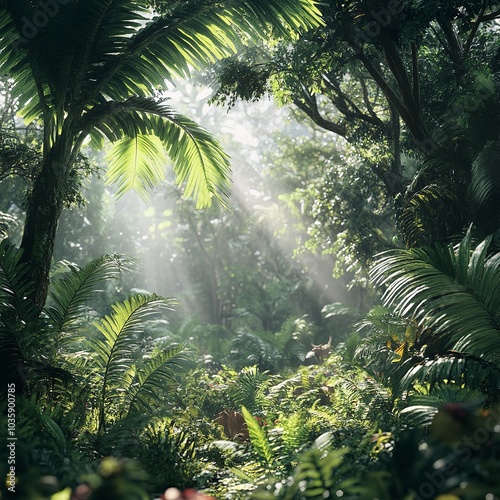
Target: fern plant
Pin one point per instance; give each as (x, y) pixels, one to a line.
(98, 377)
(318, 475)
(123, 385)
(25, 338)
(170, 454)
(453, 293)
(68, 302)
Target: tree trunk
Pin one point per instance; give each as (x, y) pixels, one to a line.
(42, 217)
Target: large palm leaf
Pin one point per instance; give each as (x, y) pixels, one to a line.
(141, 127)
(454, 291)
(454, 369)
(93, 53)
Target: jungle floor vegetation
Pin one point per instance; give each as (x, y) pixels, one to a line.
(406, 406)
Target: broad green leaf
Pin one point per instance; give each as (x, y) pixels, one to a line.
(136, 163)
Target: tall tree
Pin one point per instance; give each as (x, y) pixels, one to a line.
(398, 80)
(95, 69)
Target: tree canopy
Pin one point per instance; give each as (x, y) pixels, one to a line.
(412, 86)
(95, 70)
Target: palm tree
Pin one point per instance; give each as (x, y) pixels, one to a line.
(94, 69)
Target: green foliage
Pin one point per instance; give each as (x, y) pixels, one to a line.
(248, 388)
(486, 183)
(341, 209)
(378, 76)
(460, 468)
(259, 350)
(427, 362)
(317, 476)
(23, 335)
(104, 386)
(258, 438)
(170, 455)
(72, 292)
(91, 61)
(451, 290)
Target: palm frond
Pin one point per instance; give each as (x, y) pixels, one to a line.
(462, 370)
(136, 163)
(453, 291)
(421, 408)
(193, 34)
(144, 127)
(117, 49)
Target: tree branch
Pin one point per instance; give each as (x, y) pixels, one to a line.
(407, 108)
(343, 101)
(415, 74)
(312, 112)
(413, 122)
(366, 99)
(455, 48)
(474, 29)
(489, 17)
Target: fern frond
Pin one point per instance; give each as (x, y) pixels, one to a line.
(152, 378)
(70, 294)
(258, 438)
(249, 388)
(316, 475)
(296, 431)
(114, 354)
